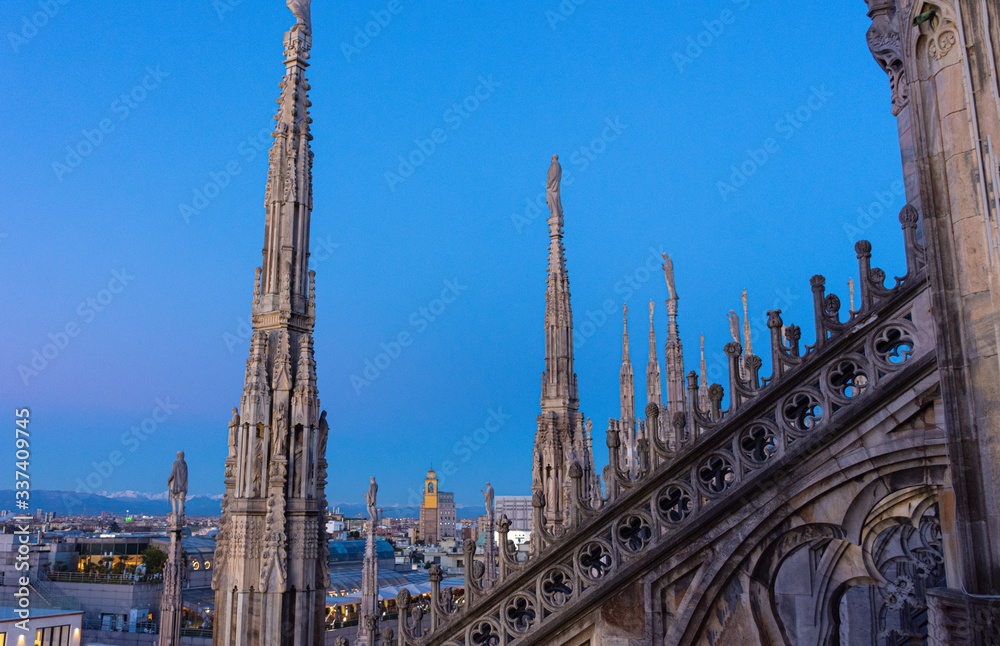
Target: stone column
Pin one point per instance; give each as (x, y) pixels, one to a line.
(368, 617)
(490, 558)
(171, 604)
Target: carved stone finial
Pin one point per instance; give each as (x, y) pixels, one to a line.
(774, 319)
(403, 598)
(863, 248)
(909, 216)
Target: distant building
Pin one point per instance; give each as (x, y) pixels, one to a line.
(45, 626)
(437, 512)
(517, 509)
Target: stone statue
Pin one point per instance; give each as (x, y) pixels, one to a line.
(177, 483)
(370, 500)
(234, 427)
(552, 188)
(324, 430)
(488, 498)
(668, 274)
(258, 461)
(301, 10)
(278, 435)
(734, 326)
(299, 464)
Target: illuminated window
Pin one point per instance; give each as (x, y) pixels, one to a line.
(52, 636)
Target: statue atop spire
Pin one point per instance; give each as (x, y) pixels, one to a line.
(674, 359)
(301, 10)
(668, 274)
(552, 196)
(560, 423)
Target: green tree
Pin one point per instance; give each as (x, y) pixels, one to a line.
(154, 559)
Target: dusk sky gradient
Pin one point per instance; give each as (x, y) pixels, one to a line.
(682, 116)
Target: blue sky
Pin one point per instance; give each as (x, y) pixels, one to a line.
(144, 244)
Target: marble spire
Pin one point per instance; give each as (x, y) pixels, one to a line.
(703, 380)
(626, 387)
(560, 420)
(559, 380)
(674, 360)
(271, 562)
(654, 385)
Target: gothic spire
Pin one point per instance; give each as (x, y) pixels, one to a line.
(747, 340)
(557, 438)
(626, 378)
(284, 283)
(559, 381)
(271, 546)
(703, 380)
(674, 351)
(654, 386)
